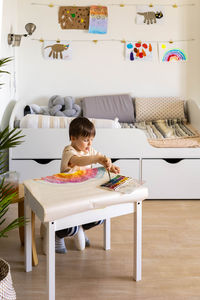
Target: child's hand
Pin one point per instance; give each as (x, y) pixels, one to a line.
(105, 161)
(115, 169)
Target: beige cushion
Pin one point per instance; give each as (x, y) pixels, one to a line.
(44, 121)
(158, 108)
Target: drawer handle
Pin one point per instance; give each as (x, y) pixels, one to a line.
(114, 159)
(43, 161)
(173, 160)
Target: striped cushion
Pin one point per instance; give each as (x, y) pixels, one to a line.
(44, 121)
(157, 108)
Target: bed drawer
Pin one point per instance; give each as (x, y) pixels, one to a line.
(128, 167)
(172, 179)
(29, 169)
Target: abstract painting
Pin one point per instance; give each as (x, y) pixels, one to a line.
(98, 19)
(139, 51)
(74, 17)
(76, 177)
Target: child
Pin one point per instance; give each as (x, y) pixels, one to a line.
(78, 156)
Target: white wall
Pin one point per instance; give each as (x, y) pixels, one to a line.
(8, 23)
(100, 68)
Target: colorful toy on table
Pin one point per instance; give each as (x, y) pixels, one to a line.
(121, 184)
(78, 176)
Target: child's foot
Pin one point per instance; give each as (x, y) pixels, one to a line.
(87, 241)
(79, 239)
(60, 245)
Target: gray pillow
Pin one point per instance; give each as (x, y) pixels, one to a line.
(109, 107)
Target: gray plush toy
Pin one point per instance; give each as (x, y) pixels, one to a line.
(36, 109)
(63, 106)
(57, 106)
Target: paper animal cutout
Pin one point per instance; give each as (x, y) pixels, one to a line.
(141, 51)
(53, 50)
(79, 176)
(74, 17)
(149, 15)
(98, 19)
(173, 52)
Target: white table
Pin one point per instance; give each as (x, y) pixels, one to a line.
(87, 203)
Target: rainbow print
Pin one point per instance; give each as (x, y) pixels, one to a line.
(174, 55)
(173, 52)
(79, 176)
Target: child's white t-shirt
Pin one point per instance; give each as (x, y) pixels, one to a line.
(67, 154)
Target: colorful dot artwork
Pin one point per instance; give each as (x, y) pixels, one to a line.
(139, 51)
(77, 177)
(174, 55)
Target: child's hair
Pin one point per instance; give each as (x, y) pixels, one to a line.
(81, 127)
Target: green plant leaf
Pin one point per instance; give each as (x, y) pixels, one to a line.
(3, 62)
(8, 139)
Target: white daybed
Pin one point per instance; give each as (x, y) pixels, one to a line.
(169, 173)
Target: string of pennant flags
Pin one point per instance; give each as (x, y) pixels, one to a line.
(175, 5)
(95, 20)
(134, 50)
(114, 40)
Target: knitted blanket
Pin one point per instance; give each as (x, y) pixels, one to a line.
(170, 128)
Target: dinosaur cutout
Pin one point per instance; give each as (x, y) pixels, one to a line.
(57, 50)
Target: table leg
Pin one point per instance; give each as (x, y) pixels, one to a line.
(21, 232)
(107, 234)
(21, 214)
(51, 260)
(137, 241)
(28, 239)
(34, 251)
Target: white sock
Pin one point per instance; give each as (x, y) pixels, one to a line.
(79, 239)
(60, 245)
(87, 241)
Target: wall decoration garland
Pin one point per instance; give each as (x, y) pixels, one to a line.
(146, 15)
(98, 19)
(175, 5)
(74, 17)
(167, 51)
(173, 52)
(57, 50)
(139, 51)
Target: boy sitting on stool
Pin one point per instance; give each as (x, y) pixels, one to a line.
(79, 156)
